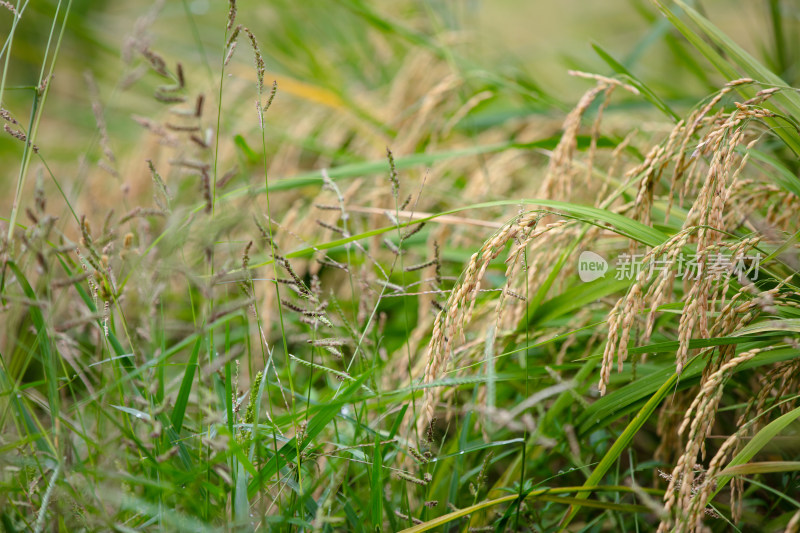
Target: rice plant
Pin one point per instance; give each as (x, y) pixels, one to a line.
(325, 268)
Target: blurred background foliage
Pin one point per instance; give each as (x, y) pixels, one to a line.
(348, 54)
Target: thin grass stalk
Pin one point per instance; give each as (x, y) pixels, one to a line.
(40, 97)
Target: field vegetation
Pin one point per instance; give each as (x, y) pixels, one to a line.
(356, 266)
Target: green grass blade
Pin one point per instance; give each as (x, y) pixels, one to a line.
(648, 93)
(766, 467)
(288, 452)
(45, 343)
(759, 440)
(182, 400)
(752, 68)
(575, 298)
(782, 176)
(750, 65)
(593, 215)
(241, 505)
(624, 400)
(545, 494)
(23, 414)
(376, 492)
(619, 446)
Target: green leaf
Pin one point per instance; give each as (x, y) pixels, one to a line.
(545, 494)
(759, 440)
(593, 215)
(141, 415)
(575, 298)
(622, 401)
(25, 418)
(747, 63)
(288, 452)
(750, 65)
(241, 505)
(619, 68)
(45, 343)
(245, 149)
(182, 400)
(376, 481)
(613, 454)
(766, 467)
(783, 177)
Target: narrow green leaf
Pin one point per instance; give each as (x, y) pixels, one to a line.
(776, 324)
(23, 414)
(613, 454)
(783, 177)
(535, 494)
(575, 298)
(397, 421)
(749, 65)
(288, 452)
(182, 400)
(241, 505)
(45, 343)
(619, 68)
(622, 401)
(376, 492)
(609, 506)
(593, 215)
(245, 149)
(759, 440)
(766, 467)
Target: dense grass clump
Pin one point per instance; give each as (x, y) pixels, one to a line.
(395, 288)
